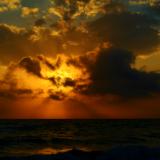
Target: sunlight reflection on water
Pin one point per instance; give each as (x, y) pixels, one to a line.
(50, 151)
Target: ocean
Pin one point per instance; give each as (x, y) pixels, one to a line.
(49, 137)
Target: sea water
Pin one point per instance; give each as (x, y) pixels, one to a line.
(44, 137)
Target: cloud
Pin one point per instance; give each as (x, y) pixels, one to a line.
(40, 22)
(58, 96)
(6, 5)
(70, 9)
(113, 73)
(48, 63)
(109, 86)
(31, 66)
(27, 11)
(17, 42)
(116, 25)
(156, 7)
(13, 43)
(69, 82)
(17, 80)
(131, 31)
(113, 23)
(71, 12)
(79, 22)
(106, 71)
(115, 7)
(12, 94)
(53, 79)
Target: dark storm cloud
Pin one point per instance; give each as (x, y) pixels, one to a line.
(31, 66)
(112, 73)
(126, 30)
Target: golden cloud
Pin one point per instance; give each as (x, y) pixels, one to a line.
(27, 11)
(6, 5)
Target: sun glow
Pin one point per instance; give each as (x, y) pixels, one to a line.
(54, 79)
(63, 70)
(64, 77)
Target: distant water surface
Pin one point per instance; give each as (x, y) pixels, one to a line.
(31, 137)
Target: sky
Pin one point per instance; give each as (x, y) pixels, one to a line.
(79, 59)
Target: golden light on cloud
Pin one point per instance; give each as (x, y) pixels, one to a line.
(6, 5)
(64, 77)
(58, 54)
(26, 11)
(54, 78)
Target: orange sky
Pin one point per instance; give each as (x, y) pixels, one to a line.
(79, 59)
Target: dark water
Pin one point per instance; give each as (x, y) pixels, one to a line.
(31, 137)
